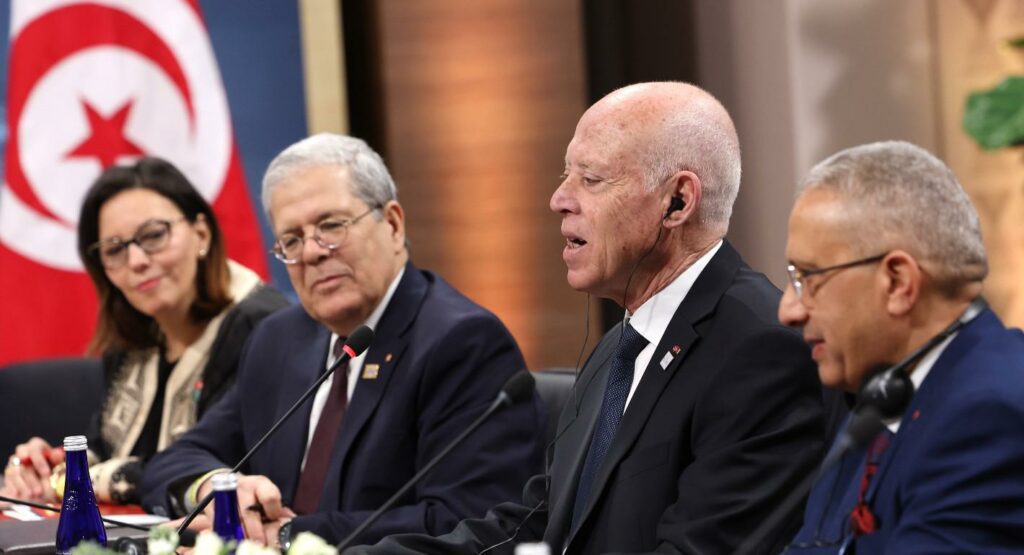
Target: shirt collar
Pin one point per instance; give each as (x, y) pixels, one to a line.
(918, 374)
(652, 318)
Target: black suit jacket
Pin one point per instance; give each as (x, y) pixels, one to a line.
(442, 360)
(707, 447)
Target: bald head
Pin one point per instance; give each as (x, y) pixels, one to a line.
(667, 127)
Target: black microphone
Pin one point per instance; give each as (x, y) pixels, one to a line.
(517, 389)
(188, 539)
(358, 342)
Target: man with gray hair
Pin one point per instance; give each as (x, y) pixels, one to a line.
(886, 264)
(436, 362)
(693, 418)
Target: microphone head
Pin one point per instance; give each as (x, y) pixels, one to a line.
(519, 387)
(864, 425)
(360, 340)
(187, 537)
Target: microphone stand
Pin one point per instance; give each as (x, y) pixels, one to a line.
(356, 344)
(515, 390)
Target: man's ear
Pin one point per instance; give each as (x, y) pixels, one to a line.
(901, 277)
(394, 215)
(685, 188)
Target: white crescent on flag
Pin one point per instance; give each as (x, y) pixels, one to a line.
(93, 84)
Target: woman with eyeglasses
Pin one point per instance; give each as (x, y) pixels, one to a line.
(174, 315)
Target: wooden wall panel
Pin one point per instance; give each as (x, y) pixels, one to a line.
(480, 100)
(970, 36)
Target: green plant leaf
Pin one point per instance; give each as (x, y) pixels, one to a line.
(995, 118)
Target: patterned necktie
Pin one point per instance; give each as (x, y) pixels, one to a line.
(862, 520)
(620, 378)
(318, 456)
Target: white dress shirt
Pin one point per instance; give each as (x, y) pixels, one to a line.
(652, 318)
(919, 373)
(351, 371)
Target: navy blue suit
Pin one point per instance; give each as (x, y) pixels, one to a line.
(952, 480)
(442, 360)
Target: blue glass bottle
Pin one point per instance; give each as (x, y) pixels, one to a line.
(226, 522)
(79, 515)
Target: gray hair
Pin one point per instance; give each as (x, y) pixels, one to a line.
(371, 182)
(911, 200)
(696, 134)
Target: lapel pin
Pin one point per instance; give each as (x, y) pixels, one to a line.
(370, 371)
(666, 360)
(676, 349)
(916, 415)
(387, 357)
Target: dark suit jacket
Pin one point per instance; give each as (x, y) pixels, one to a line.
(442, 361)
(707, 446)
(952, 479)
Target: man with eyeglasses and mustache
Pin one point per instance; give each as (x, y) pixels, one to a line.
(886, 268)
(435, 364)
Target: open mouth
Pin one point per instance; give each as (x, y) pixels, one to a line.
(574, 242)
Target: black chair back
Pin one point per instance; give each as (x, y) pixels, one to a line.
(554, 385)
(50, 398)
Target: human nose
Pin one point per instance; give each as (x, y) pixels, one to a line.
(136, 256)
(563, 200)
(314, 249)
(792, 311)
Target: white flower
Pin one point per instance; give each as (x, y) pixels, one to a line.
(208, 543)
(249, 547)
(162, 541)
(160, 547)
(307, 543)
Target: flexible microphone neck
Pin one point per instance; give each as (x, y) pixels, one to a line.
(517, 389)
(358, 342)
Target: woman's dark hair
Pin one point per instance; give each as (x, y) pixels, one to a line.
(119, 325)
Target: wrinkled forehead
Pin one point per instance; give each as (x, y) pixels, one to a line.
(603, 139)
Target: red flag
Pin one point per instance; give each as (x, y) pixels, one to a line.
(90, 85)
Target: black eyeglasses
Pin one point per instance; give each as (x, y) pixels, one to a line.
(329, 234)
(152, 237)
(798, 276)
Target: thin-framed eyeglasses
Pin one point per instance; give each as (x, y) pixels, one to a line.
(329, 233)
(152, 237)
(798, 276)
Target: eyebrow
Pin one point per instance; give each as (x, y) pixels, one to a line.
(137, 230)
(343, 213)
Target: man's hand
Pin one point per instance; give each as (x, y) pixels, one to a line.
(259, 503)
(27, 473)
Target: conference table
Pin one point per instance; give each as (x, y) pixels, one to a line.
(36, 537)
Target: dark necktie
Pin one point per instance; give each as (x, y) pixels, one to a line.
(318, 457)
(620, 378)
(862, 520)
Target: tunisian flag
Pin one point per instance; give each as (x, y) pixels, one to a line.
(93, 84)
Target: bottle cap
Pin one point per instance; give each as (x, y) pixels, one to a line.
(224, 482)
(75, 443)
(539, 548)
